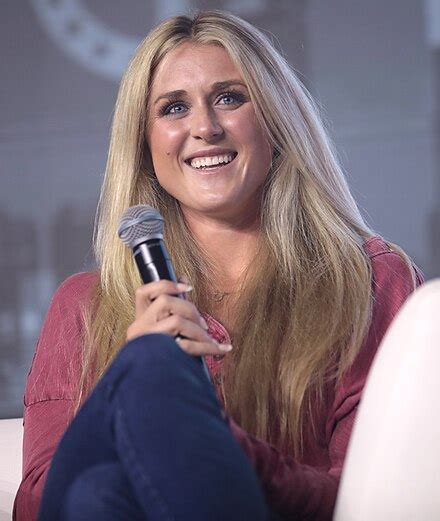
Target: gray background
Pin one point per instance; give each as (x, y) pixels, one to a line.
(373, 65)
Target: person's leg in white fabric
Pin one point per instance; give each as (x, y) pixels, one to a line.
(392, 470)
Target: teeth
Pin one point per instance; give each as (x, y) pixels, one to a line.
(200, 162)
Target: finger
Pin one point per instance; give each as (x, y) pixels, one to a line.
(166, 305)
(173, 326)
(202, 348)
(147, 293)
(177, 325)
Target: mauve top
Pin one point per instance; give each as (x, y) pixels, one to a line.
(303, 489)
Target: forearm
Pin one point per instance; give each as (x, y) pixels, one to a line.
(27, 500)
(293, 490)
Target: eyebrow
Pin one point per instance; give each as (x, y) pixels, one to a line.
(175, 94)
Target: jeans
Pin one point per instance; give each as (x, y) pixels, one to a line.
(152, 443)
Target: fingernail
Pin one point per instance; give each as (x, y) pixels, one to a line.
(225, 347)
(204, 324)
(184, 287)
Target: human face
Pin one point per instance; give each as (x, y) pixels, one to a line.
(200, 107)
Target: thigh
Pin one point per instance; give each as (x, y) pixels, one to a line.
(156, 413)
(174, 442)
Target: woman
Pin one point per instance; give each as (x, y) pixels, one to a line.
(213, 129)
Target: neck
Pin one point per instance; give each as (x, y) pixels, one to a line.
(230, 246)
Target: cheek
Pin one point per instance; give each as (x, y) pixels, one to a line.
(247, 131)
(257, 144)
(255, 133)
(165, 143)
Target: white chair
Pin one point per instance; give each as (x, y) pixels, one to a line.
(392, 469)
(11, 438)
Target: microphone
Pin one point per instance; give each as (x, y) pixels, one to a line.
(141, 229)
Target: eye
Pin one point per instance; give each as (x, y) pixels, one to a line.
(232, 98)
(173, 108)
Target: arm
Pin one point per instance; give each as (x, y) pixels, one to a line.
(299, 491)
(50, 390)
(44, 423)
(293, 490)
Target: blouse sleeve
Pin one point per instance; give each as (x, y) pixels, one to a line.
(50, 389)
(299, 491)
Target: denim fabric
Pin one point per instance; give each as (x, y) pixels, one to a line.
(101, 492)
(152, 443)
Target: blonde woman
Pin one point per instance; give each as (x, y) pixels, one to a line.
(291, 295)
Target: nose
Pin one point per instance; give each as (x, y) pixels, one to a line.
(205, 124)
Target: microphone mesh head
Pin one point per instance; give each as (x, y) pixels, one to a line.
(139, 223)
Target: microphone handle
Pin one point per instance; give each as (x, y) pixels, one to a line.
(153, 260)
(154, 263)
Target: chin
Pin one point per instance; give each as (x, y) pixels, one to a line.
(211, 208)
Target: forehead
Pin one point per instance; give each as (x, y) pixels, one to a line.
(191, 64)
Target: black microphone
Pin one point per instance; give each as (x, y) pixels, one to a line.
(141, 229)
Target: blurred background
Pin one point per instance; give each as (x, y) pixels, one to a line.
(373, 66)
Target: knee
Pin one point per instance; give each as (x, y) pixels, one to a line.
(98, 493)
(426, 303)
(155, 361)
(415, 330)
(85, 496)
(149, 349)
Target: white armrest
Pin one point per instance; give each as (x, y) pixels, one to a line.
(392, 469)
(11, 439)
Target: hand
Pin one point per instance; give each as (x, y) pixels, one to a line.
(159, 310)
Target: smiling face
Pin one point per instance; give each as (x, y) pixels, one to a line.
(207, 146)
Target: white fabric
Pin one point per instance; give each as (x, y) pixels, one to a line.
(11, 438)
(392, 469)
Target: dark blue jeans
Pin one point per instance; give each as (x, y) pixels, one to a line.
(151, 443)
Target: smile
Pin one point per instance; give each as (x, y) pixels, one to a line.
(206, 163)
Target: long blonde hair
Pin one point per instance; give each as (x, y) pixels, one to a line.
(305, 306)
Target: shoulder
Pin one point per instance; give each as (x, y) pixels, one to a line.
(77, 286)
(394, 275)
(394, 278)
(64, 317)
(376, 245)
(72, 295)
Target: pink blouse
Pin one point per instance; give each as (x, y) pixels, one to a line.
(297, 490)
